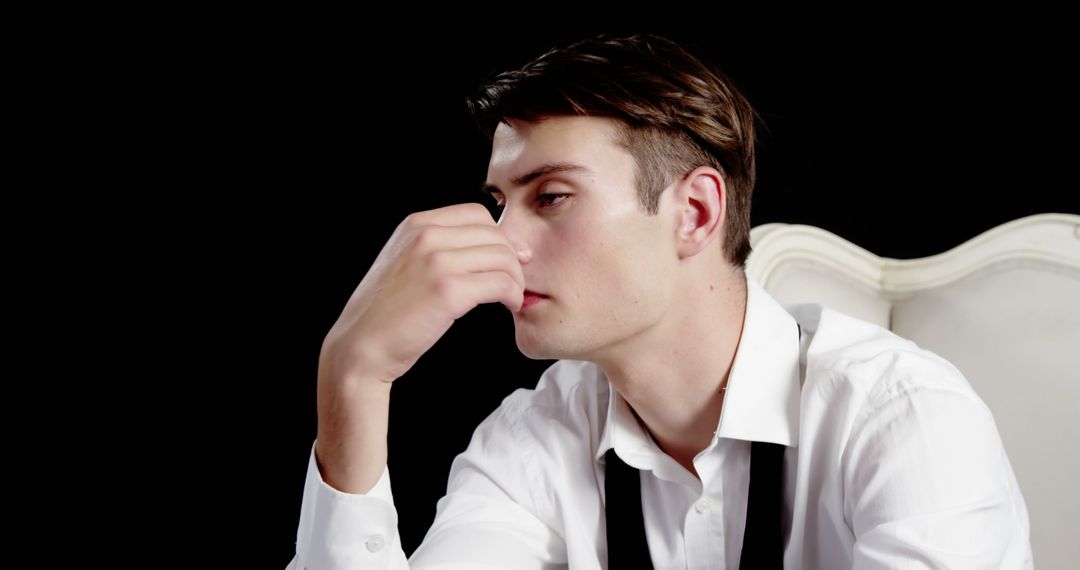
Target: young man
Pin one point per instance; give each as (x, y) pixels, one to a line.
(624, 169)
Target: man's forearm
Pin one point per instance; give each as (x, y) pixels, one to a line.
(350, 448)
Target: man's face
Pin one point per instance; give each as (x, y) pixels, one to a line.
(607, 267)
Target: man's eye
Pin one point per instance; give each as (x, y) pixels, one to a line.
(549, 200)
(546, 201)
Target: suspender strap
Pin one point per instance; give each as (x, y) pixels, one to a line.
(763, 540)
(627, 547)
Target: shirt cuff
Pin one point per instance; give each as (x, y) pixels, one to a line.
(347, 530)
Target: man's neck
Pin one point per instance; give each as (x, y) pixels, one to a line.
(674, 379)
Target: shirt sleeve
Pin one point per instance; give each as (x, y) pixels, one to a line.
(489, 517)
(928, 485)
(346, 530)
(493, 515)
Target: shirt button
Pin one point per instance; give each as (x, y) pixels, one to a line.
(375, 543)
(702, 505)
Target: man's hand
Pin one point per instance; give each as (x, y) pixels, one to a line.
(438, 265)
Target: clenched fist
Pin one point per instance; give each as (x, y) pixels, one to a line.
(438, 265)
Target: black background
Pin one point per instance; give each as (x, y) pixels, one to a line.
(314, 142)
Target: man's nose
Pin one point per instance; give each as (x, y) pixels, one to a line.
(513, 231)
(523, 252)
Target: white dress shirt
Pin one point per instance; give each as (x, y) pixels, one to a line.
(892, 462)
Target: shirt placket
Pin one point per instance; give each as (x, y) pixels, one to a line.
(704, 532)
(703, 529)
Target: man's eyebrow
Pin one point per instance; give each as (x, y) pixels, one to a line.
(549, 168)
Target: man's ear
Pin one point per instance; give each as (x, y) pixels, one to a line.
(701, 200)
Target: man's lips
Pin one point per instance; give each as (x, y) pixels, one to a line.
(531, 298)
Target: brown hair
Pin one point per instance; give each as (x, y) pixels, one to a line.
(676, 113)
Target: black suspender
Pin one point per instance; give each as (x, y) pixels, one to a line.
(763, 539)
(625, 524)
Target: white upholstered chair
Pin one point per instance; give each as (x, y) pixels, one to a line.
(1004, 307)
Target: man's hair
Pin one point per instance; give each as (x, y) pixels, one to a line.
(676, 112)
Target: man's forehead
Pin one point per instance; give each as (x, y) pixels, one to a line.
(520, 147)
(554, 129)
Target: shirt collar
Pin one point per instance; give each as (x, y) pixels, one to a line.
(763, 389)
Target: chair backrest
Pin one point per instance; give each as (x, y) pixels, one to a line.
(1004, 307)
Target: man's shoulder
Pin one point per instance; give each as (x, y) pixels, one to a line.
(563, 417)
(868, 359)
(564, 384)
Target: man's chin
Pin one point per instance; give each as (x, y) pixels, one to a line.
(544, 349)
(535, 348)
(534, 352)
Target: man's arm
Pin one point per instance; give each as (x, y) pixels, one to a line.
(438, 265)
(344, 530)
(928, 485)
(488, 518)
